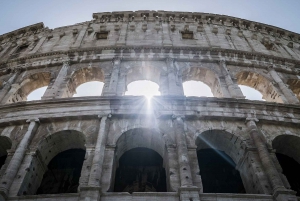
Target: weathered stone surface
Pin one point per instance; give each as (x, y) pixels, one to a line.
(167, 48)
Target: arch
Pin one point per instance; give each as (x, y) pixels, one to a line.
(5, 144)
(196, 88)
(204, 75)
(84, 75)
(288, 155)
(92, 88)
(144, 72)
(261, 84)
(222, 140)
(29, 84)
(143, 87)
(251, 93)
(294, 85)
(140, 139)
(218, 152)
(47, 150)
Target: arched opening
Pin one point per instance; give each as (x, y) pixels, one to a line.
(251, 93)
(196, 88)
(36, 94)
(139, 162)
(288, 155)
(63, 173)
(93, 88)
(294, 85)
(140, 170)
(218, 152)
(143, 88)
(87, 81)
(57, 165)
(5, 144)
(261, 84)
(198, 75)
(29, 85)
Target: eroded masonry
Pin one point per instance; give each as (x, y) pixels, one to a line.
(175, 148)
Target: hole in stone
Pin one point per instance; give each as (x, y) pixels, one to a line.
(140, 170)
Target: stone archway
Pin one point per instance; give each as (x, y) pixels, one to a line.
(140, 143)
(5, 144)
(261, 84)
(218, 153)
(84, 75)
(288, 155)
(54, 154)
(206, 76)
(28, 85)
(294, 85)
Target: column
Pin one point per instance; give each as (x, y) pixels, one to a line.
(174, 80)
(182, 152)
(286, 91)
(122, 37)
(233, 88)
(166, 35)
(17, 158)
(280, 193)
(114, 77)
(7, 86)
(58, 88)
(96, 168)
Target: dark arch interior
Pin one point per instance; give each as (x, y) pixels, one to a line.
(140, 170)
(63, 173)
(2, 160)
(290, 168)
(218, 172)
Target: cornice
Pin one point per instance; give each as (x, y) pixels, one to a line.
(225, 109)
(192, 17)
(32, 27)
(215, 54)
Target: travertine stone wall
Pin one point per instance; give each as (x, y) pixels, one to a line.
(167, 48)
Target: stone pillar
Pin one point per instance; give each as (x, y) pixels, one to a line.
(166, 35)
(174, 80)
(280, 193)
(286, 91)
(182, 152)
(58, 88)
(17, 158)
(114, 77)
(173, 180)
(195, 171)
(7, 87)
(233, 88)
(96, 169)
(122, 37)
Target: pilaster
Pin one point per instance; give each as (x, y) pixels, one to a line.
(174, 79)
(58, 88)
(114, 78)
(13, 166)
(286, 91)
(233, 88)
(9, 89)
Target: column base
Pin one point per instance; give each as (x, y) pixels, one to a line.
(89, 193)
(285, 195)
(189, 193)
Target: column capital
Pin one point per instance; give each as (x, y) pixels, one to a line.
(67, 61)
(116, 60)
(170, 60)
(108, 116)
(37, 120)
(178, 117)
(251, 119)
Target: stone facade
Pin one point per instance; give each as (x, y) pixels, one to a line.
(167, 48)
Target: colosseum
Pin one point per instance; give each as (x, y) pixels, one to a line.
(172, 148)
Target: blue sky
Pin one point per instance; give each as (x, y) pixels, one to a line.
(55, 13)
